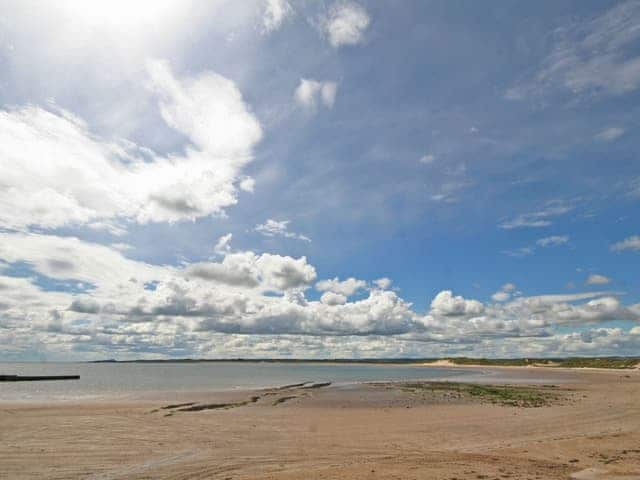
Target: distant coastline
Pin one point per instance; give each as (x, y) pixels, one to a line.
(567, 362)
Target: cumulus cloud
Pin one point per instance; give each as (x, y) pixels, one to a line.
(279, 228)
(55, 172)
(595, 279)
(312, 93)
(129, 306)
(598, 341)
(236, 269)
(246, 269)
(504, 293)
(500, 296)
(598, 310)
(381, 313)
(384, 283)
(65, 258)
(455, 319)
(630, 243)
(445, 303)
(331, 298)
(345, 24)
(247, 184)
(283, 273)
(347, 287)
(275, 13)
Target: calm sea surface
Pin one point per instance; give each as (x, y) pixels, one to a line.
(109, 380)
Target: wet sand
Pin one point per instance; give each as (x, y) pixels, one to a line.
(589, 429)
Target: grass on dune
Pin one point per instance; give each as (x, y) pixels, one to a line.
(574, 362)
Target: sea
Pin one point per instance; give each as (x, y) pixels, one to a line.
(127, 380)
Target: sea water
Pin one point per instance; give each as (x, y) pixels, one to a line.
(122, 380)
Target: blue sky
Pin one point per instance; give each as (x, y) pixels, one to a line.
(338, 178)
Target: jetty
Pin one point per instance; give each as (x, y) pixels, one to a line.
(38, 378)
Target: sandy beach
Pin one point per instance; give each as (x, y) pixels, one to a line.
(587, 427)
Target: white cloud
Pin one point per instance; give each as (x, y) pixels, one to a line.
(455, 319)
(539, 218)
(346, 287)
(247, 184)
(283, 273)
(71, 258)
(222, 246)
(128, 307)
(546, 242)
(563, 298)
(630, 243)
(500, 296)
(610, 134)
(519, 252)
(209, 109)
(595, 279)
(504, 293)
(600, 309)
(55, 172)
(427, 158)
(275, 13)
(553, 241)
(595, 57)
(345, 24)
(445, 303)
(328, 93)
(525, 221)
(265, 272)
(331, 298)
(449, 190)
(381, 313)
(384, 283)
(310, 93)
(190, 306)
(279, 228)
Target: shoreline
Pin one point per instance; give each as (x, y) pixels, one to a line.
(550, 361)
(482, 374)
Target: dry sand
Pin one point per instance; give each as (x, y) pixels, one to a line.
(357, 432)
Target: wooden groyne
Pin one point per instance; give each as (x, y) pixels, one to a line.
(37, 378)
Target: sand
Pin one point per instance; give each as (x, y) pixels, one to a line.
(334, 432)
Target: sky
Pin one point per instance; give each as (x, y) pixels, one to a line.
(319, 179)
